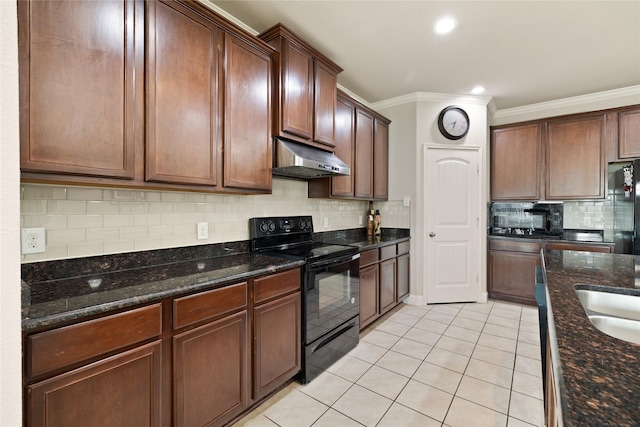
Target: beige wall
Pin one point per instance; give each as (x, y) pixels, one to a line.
(415, 116)
(10, 352)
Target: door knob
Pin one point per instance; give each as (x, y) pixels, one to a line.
(432, 234)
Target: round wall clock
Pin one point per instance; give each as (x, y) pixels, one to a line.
(453, 122)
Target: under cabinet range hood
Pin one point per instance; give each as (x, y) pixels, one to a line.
(299, 161)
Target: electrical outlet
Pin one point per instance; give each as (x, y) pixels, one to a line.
(33, 241)
(203, 230)
(360, 220)
(325, 222)
(406, 201)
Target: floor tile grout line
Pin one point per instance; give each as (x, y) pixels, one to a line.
(424, 360)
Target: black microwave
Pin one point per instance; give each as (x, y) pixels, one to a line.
(526, 219)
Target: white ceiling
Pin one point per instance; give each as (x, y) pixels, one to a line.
(523, 52)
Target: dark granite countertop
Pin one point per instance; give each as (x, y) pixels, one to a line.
(358, 237)
(599, 375)
(62, 291)
(58, 292)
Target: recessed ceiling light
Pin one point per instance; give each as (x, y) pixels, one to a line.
(477, 90)
(444, 25)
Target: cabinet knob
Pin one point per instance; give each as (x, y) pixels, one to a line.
(432, 234)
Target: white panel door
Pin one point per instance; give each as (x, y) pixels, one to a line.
(452, 216)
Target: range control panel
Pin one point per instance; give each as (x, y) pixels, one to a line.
(278, 226)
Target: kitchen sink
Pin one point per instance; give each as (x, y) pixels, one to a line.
(609, 303)
(624, 329)
(611, 312)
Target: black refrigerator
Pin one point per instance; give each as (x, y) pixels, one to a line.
(624, 188)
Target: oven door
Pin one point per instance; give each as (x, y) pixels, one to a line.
(332, 295)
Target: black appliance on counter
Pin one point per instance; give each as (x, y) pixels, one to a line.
(528, 219)
(330, 288)
(623, 182)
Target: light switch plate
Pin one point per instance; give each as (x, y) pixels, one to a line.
(33, 240)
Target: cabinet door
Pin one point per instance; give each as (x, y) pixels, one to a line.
(364, 154)
(576, 166)
(325, 94)
(402, 277)
(516, 163)
(387, 285)
(345, 148)
(78, 86)
(210, 372)
(277, 343)
(122, 390)
(512, 276)
(381, 160)
(247, 122)
(297, 91)
(629, 134)
(182, 95)
(369, 301)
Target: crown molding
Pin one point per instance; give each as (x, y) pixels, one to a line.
(572, 102)
(223, 13)
(434, 98)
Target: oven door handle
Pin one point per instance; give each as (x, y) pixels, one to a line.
(344, 329)
(313, 266)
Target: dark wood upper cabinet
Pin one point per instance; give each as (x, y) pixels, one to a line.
(79, 68)
(629, 134)
(380, 159)
(343, 186)
(307, 90)
(561, 158)
(183, 72)
(362, 142)
(516, 163)
(247, 116)
(325, 96)
(296, 91)
(576, 167)
(364, 154)
(161, 100)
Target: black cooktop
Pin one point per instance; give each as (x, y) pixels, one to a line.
(292, 237)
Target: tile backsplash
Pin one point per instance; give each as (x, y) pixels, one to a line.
(86, 221)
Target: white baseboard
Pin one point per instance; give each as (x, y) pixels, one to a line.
(415, 300)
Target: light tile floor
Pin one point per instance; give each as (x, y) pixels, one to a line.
(445, 365)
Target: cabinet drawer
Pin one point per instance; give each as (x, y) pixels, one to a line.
(404, 247)
(515, 246)
(207, 305)
(387, 252)
(276, 285)
(65, 346)
(368, 257)
(586, 247)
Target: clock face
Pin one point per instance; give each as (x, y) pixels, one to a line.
(453, 122)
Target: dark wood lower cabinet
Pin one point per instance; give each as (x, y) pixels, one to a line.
(277, 345)
(210, 372)
(122, 390)
(192, 360)
(384, 280)
(387, 285)
(512, 263)
(402, 277)
(368, 295)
